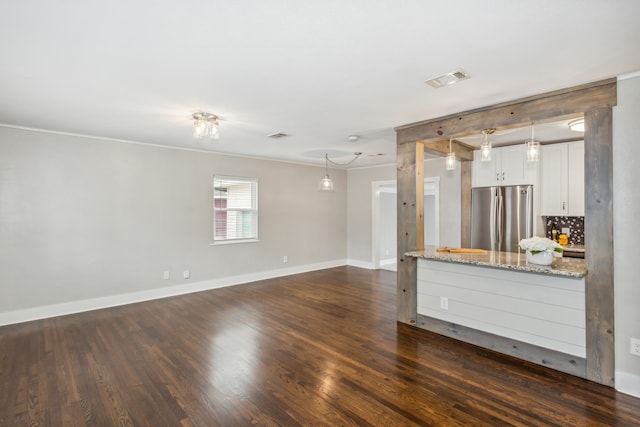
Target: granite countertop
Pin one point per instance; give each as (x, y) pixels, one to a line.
(564, 267)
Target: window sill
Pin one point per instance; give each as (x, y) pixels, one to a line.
(232, 242)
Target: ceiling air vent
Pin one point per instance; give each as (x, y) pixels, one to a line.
(448, 78)
(278, 135)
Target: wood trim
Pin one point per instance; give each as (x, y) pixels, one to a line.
(564, 103)
(559, 361)
(595, 101)
(599, 245)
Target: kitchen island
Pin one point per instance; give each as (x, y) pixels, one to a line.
(500, 301)
(516, 261)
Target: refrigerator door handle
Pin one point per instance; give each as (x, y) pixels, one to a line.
(499, 213)
(492, 219)
(529, 215)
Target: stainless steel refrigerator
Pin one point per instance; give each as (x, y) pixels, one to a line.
(501, 217)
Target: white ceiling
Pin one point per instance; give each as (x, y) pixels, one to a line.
(317, 70)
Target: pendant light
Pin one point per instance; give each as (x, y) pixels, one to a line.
(450, 162)
(533, 148)
(326, 183)
(485, 147)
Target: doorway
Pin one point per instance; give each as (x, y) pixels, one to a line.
(384, 221)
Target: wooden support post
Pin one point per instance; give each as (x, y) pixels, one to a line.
(598, 231)
(465, 204)
(410, 164)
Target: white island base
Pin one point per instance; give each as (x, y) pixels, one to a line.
(536, 317)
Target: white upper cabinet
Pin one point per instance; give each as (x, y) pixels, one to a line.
(508, 166)
(562, 179)
(576, 178)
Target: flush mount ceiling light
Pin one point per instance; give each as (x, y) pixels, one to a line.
(485, 147)
(448, 78)
(577, 125)
(205, 125)
(533, 148)
(353, 138)
(326, 183)
(450, 161)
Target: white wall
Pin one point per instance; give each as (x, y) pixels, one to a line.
(84, 218)
(626, 214)
(359, 207)
(388, 226)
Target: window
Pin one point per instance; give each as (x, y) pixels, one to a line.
(235, 209)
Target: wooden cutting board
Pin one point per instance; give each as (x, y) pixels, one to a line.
(462, 250)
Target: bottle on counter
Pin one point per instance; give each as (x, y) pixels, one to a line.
(554, 232)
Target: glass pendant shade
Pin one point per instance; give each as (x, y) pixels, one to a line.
(485, 151)
(533, 151)
(450, 162)
(485, 147)
(325, 184)
(533, 148)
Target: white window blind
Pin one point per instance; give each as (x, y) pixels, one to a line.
(235, 208)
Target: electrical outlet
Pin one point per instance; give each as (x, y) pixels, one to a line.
(166, 275)
(186, 274)
(444, 303)
(285, 259)
(566, 230)
(635, 346)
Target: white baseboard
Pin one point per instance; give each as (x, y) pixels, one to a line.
(360, 264)
(42, 312)
(628, 383)
(389, 261)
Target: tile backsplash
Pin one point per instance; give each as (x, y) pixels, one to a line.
(574, 223)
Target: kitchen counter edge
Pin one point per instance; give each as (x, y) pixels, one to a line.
(564, 267)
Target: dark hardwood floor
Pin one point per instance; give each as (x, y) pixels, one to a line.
(320, 348)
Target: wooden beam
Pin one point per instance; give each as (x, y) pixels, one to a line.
(464, 152)
(563, 362)
(551, 105)
(410, 166)
(598, 231)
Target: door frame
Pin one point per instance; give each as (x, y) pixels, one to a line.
(391, 186)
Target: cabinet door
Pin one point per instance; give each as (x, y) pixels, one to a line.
(553, 180)
(513, 158)
(576, 178)
(485, 174)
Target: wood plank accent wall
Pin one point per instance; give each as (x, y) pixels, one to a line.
(595, 101)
